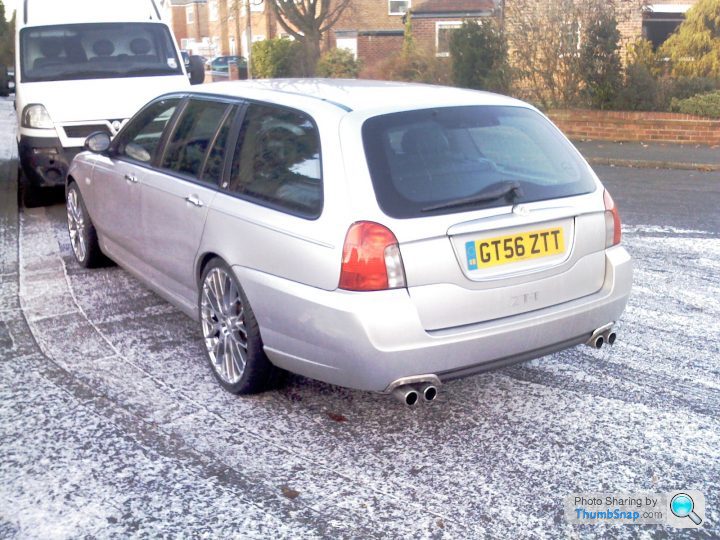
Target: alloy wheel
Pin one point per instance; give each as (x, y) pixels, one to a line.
(223, 324)
(76, 225)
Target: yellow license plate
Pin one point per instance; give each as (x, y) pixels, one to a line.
(514, 248)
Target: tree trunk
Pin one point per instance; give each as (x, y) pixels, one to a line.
(311, 48)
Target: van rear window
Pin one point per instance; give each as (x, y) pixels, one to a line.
(96, 51)
(454, 159)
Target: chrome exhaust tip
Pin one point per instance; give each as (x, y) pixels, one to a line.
(596, 341)
(429, 392)
(407, 395)
(602, 335)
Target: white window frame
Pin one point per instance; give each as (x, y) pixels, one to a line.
(190, 14)
(452, 25)
(214, 10)
(391, 12)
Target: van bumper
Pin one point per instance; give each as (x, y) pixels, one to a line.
(44, 161)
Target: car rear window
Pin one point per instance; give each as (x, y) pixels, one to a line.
(438, 161)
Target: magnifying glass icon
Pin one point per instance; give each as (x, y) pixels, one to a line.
(683, 506)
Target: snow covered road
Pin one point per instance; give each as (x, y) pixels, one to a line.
(112, 425)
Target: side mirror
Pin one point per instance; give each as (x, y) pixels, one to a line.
(197, 70)
(97, 142)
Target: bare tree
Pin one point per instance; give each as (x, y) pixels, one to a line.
(546, 37)
(307, 21)
(544, 40)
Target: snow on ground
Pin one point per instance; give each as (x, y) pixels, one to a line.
(111, 424)
(116, 426)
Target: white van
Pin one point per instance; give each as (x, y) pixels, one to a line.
(85, 66)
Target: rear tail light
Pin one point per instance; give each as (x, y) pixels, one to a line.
(613, 227)
(371, 259)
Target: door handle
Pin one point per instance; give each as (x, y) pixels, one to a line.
(192, 199)
(131, 178)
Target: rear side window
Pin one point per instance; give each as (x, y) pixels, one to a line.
(193, 136)
(140, 138)
(445, 160)
(277, 161)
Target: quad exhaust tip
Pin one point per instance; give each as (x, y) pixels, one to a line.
(410, 395)
(601, 336)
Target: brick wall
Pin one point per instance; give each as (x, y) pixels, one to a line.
(368, 15)
(637, 126)
(423, 31)
(375, 49)
(179, 24)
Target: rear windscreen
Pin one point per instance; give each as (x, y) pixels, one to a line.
(97, 51)
(445, 160)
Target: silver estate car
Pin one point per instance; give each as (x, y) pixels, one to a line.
(380, 236)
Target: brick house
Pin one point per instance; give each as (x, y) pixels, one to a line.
(651, 19)
(373, 29)
(189, 21)
(217, 27)
(228, 25)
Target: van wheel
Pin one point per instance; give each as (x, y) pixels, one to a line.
(83, 237)
(231, 333)
(31, 196)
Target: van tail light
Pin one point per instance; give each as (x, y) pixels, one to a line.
(371, 259)
(613, 227)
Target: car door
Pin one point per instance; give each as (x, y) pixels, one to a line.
(272, 196)
(175, 197)
(119, 175)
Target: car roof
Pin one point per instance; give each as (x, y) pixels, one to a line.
(357, 95)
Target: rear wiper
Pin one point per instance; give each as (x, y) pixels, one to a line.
(505, 190)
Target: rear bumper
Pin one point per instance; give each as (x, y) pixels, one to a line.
(44, 160)
(368, 341)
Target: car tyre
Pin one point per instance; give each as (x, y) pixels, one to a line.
(231, 334)
(83, 236)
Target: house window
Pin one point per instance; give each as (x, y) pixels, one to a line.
(661, 20)
(398, 7)
(213, 9)
(190, 14)
(443, 31)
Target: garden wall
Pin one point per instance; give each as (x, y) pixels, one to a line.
(637, 126)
